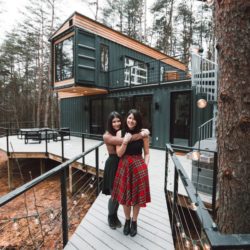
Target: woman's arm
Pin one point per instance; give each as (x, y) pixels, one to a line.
(146, 149)
(112, 140)
(144, 133)
(120, 149)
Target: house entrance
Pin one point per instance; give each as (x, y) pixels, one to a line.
(180, 118)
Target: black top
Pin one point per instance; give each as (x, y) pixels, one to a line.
(134, 147)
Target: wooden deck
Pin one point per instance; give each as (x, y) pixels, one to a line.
(154, 230)
(93, 232)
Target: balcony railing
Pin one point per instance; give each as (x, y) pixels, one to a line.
(141, 74)
(194, 228)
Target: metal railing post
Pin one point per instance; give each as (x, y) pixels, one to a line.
(97, 169)
(83, 148)
(175, 193)
(7, 141)
(46, 142)
(215, 172)
(64, 206)
(166, 171)
(62, 142)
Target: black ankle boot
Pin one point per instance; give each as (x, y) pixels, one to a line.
(133, 229)
(126, 228)
(111, 221)
(118, 224)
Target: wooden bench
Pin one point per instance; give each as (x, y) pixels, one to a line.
(32, 135)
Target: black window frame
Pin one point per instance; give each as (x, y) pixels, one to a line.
(59, 55)
(103, 66)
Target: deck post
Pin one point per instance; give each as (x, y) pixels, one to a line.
(83, 149)
(64, 206)
(42, 166)
(72, 187)
(215, 172)
(10, 173)
(97, 169)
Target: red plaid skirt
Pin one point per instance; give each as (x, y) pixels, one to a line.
(131, 184)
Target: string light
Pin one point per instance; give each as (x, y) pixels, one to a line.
(36, 220)
(15, 224)
(196, 155)
(51, 215)
(91, 185)
(74, 202)
(206, 246)
(187, 243)
(83, 195)
(193, 206)
(92, 178)
(195, 247)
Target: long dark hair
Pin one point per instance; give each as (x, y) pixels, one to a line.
(137, 117)
(111, 116)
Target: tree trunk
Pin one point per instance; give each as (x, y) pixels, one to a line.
(233, 32)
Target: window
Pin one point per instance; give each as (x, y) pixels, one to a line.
(135, 72)
(64, 60)
(104, 58)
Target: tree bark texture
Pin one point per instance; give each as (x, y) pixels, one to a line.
(233, 45)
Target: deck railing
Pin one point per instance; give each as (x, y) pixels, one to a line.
(148, 73)
(203, 234)
(60, 169)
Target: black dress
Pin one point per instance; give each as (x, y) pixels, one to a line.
(110, 168)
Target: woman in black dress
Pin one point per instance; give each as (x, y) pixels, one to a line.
(111, 140)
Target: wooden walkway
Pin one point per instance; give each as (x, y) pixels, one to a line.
(154, 230)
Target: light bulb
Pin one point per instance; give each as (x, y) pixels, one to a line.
(196, 247)
(91, 185)
(51, 215)
(193, 206)
(187, 243)
(74, 202)
(202, 103)
(206, 246)
(93, 178)
(36, 220)
(196, 155)
(183, 235)
(209, 2)
(83, 195)
(178, 224)
(15, 225)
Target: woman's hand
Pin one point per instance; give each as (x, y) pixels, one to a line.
(145, 132)
(127, 138)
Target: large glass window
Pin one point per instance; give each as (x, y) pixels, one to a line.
(136, 72)
(64, 60)
(104, 50)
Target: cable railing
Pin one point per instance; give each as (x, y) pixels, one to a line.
(192, 225)
(89, 187)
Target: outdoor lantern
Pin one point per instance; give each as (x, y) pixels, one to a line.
(202, 103)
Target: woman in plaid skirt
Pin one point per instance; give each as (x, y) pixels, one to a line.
(131, 184)
(111, 164)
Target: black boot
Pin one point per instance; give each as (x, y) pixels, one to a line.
(118, 224)
(133, 229)
(111, 222)
(126, 228)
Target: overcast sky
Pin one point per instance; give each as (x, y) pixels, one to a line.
(10, 11)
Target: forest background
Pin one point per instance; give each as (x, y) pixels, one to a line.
(173, 27)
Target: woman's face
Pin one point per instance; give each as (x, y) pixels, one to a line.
(116, 124)
(131, 122)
